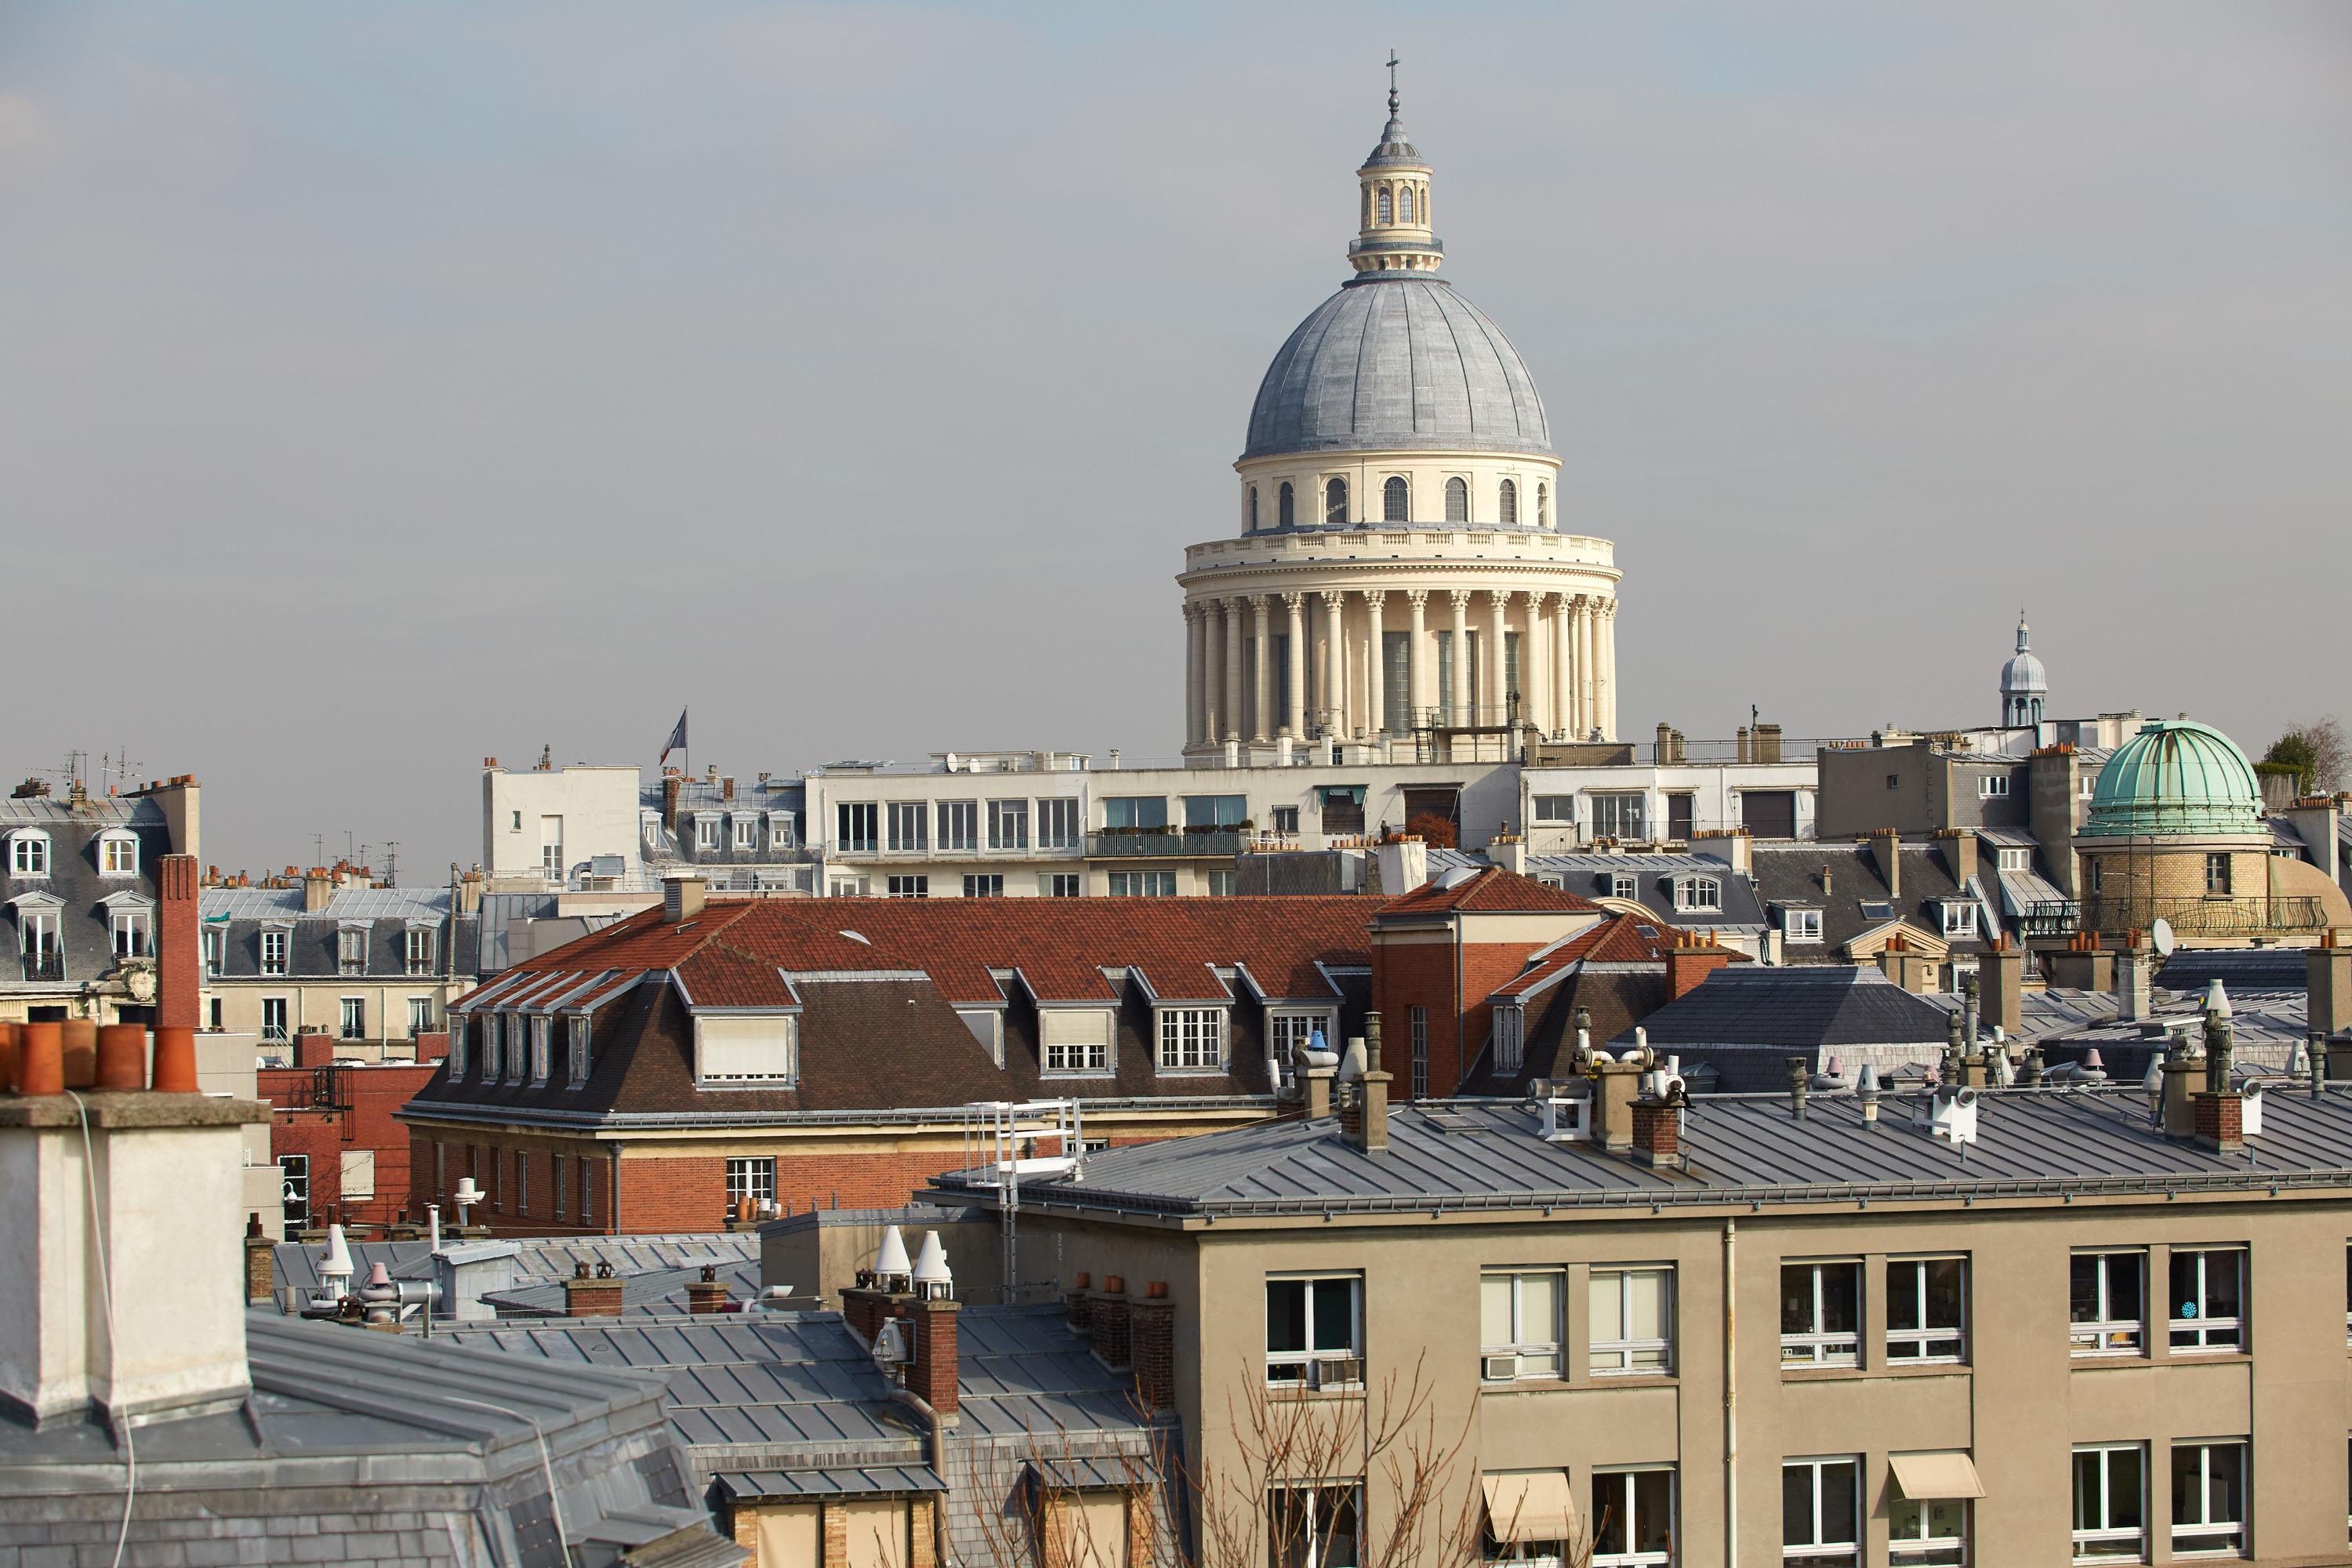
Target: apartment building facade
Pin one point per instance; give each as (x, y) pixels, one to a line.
(2004, 1327)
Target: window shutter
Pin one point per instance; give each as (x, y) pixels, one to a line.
(745, 1049)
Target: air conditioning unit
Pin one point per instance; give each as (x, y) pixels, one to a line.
(1338, 1372)
(1499, 1368)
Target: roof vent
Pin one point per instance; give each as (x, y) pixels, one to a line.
(1458, 875)
(1568, 1113)
(858, 936)
(1950, 1113)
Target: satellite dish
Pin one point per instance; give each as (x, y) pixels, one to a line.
(2161, 934)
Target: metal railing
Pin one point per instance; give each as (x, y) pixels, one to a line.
(1170, 844)
(44, 966)
(2218, 915)
(867, 849)
(2051, 918)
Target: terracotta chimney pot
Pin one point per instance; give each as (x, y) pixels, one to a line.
(122, 1055)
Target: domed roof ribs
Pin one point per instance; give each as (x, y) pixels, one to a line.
(1461, 367)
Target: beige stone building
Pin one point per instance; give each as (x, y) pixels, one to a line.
(1402, 566)
(2013, 1326)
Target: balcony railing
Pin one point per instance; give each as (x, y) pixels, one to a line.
(1169, 844)
(867, 848)
(2051, 918)
(2219, 915)
(44, 966)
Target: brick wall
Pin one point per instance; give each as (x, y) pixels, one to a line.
(1423, 974)
(360, 1114)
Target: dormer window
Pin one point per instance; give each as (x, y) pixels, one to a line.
(1623, 884)
(350, 949)
(779, 830)
(28, 853)
(2016, 860)
(274, 941)
(578, 1054)
(117, 854)
(706, 833)
(37, 938)
(746, 1051)
(1960, 917)
(420, 950)
(746, 833)
(1800, 925)
(215, 948)
(1510, 1037)
(1702, 894)
(131, 920)
(1993, 787)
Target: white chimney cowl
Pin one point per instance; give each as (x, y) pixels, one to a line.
(335, 1263)
(932, 1263)
(2217, 999)
(890, 1258)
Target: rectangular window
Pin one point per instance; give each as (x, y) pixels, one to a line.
(28, 855)
(130, 934)
(2217, 875)
(746, 833)
(1631, 1320)
(1207, 811)
(984, 887)
(1619, 815)
(1510, 1038)
(2110, 1504)
(1820, 1513)
(1820, 1314)
(273, 1019)
(577, 1057)
(1221, 883)
(1800, 925)
(959, 825)
(1314, 1527)
(1287, 1034)
(350, 950)
(1143, 811)
(1623, 884)
(1556, 809)
(1057, 825)
(420, 1015)
(752, 1179)
(2105, 1296)
(1519, 1328)
(555, 1186)
(215, 948)
(587, 1193)
(522, 1181)
(420, 950)
(910, 823)
(1993, 787)
(706, 833)
(1420, 1027)
(1286, 818)
(1633, 1518)
(1959, 919)
(1932, 1533)
(2016, 859)
(916, 887)
(1192, 1039)
(1062, 884)
(855, 822)
(273, 951)
(1008, 824)
(36, 943)
(493, 1033)
(1925, 1303)
(517, 1052)
(746, 1051)
(294, 1189)
(543, 1048)
(1142, 884)
(1702, 894)
(214, 1005)
(2209, 1499)
(2208, 1298)
(119, 857)
(844, 887)
(1075, 1039)
(354, 1021)
(1314, 1332)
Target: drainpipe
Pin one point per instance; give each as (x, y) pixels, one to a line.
(1730, 1394)
(613, 1207)
(939, 1445)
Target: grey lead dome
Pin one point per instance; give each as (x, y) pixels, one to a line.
(1397, 363)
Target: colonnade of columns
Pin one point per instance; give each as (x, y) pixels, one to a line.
(1334, 680)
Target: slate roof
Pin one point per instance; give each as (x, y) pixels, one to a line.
(2237, 968)
(85, 923)
(1397, 362)
(313, 948)
(419, 1443)
(1592, 875)
(1790, 1008)
(657, 1294)
(1615, 972)
(1790, 876)
(1446, 1156)
(887, 991)
(541, 1259)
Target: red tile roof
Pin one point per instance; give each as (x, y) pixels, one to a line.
(1490, 889)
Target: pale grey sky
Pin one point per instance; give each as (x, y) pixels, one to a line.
(392, 386)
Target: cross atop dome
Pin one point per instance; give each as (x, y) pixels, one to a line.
(1394, 234)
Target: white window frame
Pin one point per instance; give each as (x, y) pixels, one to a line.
(281, 939)
(753, 1177)
(779, 830)
(1960, 917)
(1076, 1059)
(787, 1072)
(1063, 884)
(1509, 1036)
(1800, 925)
(1288, 1029)
(2108, 1335)
(1142, 884)
(959, 825)
(1993, 787)
(579, 1053)
(2124, 1543)
(1921, 1346)
(1553, 810)
(1190, 1039)
(2206, 1536)
(420, 1015)
(1536, 1353)
(1621, 804)
(746, 834)
(131, 932)
(1624, 1353)
(284, 1030)
(216, 943)
(915, 886)
(1624, 885)
(1303, 1368)
(1624, 1479)
(555, 1179)
(543, 1048)
(1008, 824)
(30, 853)
(2011, 859)
(1912, 1539)
(348, 935)
(1822, 1551)
(419, 950)
(2199, 1334)
(857, 826)
(907, 826)
(118, 853)
(1820, 1346)
(1059, 823)
(1699, 894)
(706, 833)
(351, 1018)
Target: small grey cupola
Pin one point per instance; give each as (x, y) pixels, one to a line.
(1396, 234)
(2024, 683)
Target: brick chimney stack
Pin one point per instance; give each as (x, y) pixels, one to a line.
(318, 887)
(179, 946)
(1887, 847)
(596, 1295)
(2001, 982)
(2328, 980)
(1110, 1323)
(707, 1294)
(1153, 1321)
(1690, 960)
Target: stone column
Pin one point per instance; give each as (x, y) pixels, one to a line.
(1563, 682)
(1607, 660)
(1535, 665)
(1460, 685)
(1295, 672)
(1195, 730)
(1376, 683)
(1212, 670)
(1498, 662)
(1416, 659)
(1332, 689)
(1263, 695)
(1232, 714)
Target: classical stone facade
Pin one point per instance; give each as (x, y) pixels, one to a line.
(1401, 564)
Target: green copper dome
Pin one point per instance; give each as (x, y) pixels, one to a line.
(2179, 779)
